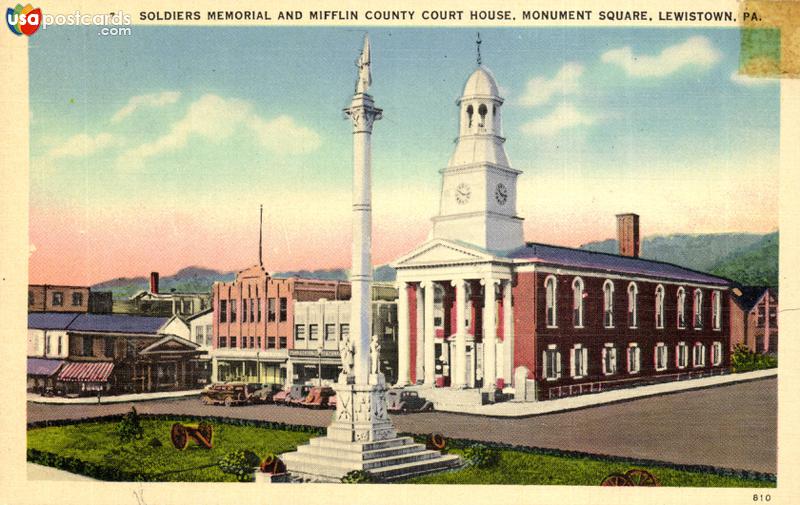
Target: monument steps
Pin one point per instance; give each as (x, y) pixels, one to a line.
(327, 469)
(354, 461)
(356, 455)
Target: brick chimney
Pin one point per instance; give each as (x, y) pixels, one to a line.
(628, 235)
(154, 282)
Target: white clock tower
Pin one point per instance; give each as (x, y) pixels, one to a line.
(479, 188)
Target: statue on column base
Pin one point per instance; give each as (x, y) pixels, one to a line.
(347, 354)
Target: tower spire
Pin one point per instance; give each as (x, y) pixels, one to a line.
(260, 235)
(478, 45)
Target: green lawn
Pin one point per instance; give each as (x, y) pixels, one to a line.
(526, 468)
(98, 443)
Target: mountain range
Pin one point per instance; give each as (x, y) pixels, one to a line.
(746, 258)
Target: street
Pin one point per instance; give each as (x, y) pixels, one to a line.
(732, 426)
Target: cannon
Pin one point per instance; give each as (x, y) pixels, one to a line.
(436, 442)
(273, 464)
(203, 434)
(633, 477)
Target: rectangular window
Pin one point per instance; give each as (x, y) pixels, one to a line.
(30, 298)
(551, 364)
(634, 361)
(258, 304)
(344, 331)
(661, 357)
(716, 310)
(253, 341)
(282, 342)
(77, 299)
(87, 345)
(233, 341)
(579, 361)
(222, 341)
(284, 306)
(299, 332)
(609, 359)
(223, 311)
(699, 355)
(209, 333)
(313, 332)
(46, 344)
(271, 310)
(259, 342)
(60, 344)
(58, 298)
(270, 342)
(233, 311)
(330, 332)
(198, 334)
(244, 310)
(187, 306)
(716, 354)
(682, 355)
(698, 308)
(109, 348)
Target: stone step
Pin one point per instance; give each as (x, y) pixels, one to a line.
(407, 470)
(355, 455)
(335, 459)
(363, 446)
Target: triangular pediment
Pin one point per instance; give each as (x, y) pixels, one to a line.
(443, 252)
(170, 343)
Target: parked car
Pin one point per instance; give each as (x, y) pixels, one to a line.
(318, 397)
(400, 401)
(229, 393)
(266, 394)
(297, 393)
(279, 398)
(332, 402)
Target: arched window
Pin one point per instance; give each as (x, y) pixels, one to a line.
(660, 356)
(681, 307)
(634, 358)
(577, 302)
(681, 355)
(550, 301)
(698, 308)
(470, 112)
(716, 354)
(633, 313)
(579, 361)
(482, 111)
(716, 310)
(660, 306)
(608, 304)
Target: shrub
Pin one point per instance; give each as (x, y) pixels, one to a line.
(745, 360)
(482, 456)
(154, 442)
(360, 477)
(130, 427)
(239, 463)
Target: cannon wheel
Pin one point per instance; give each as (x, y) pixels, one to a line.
(179, 436)
(207, 431)
(438, 442)
(616, 479)
(640, 477)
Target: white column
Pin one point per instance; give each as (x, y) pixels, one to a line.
(460, 372)
(508, 332)
(214, 369)
(403, 337)
(363, 112)
(489, 333)
(420, 333)
(429, 365)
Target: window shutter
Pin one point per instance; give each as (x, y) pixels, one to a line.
(585, 361)
(558, 364)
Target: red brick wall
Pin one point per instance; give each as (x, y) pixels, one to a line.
(524, 292)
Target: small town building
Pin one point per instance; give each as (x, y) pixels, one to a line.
(153, 302)
(51, 298)
(754, 318)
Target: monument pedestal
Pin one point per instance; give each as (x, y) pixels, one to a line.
(362, 437)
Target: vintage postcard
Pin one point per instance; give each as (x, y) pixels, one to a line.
(401, 251)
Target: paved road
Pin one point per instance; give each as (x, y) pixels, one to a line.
(733, 426)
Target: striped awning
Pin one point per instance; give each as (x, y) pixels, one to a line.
(86, 372)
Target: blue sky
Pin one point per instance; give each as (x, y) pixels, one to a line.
(600, 121)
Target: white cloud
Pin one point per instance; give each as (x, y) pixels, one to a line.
(82, 145)
(562, 117)
(695, 51)
(149, 100)
(540, 90)
(746, 80)
(215, 118)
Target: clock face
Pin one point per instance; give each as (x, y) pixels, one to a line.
(463, 193)
(501, 194)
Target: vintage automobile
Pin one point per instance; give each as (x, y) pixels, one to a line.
(229, 393)
(279, 398)
(266, 394)
(318, 397)
(400, 401)
(297, 394)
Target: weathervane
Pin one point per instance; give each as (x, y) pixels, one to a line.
(478, 44)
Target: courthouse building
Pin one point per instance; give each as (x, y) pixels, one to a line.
(480, 307)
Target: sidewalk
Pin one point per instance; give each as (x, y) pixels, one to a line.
(138, 397)
(526, 409)
(39, 472)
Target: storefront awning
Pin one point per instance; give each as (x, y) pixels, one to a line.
(86, 372)
(43, 367)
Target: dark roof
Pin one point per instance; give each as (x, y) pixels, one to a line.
(612, 263)
(197, 314)
(41, 366)
(118, 323)
(50, 320)
(749, 297)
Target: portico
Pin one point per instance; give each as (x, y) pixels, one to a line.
(455, 316)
